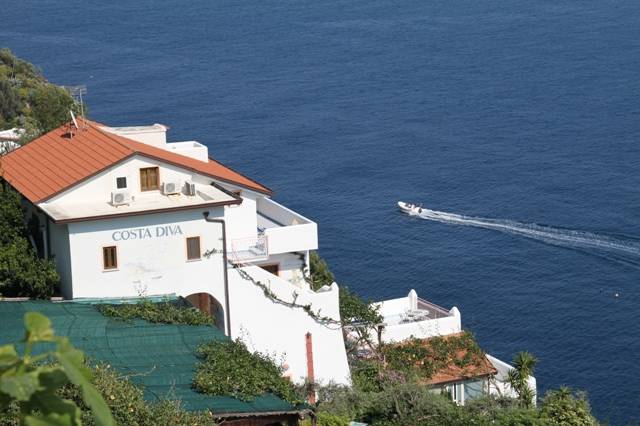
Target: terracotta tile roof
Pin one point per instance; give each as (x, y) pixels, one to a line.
(54, 162)
(476, 364)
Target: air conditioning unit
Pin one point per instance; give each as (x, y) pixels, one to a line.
(190, 188)
(119, 198)
(169, 188)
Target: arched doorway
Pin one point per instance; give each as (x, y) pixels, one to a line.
(208, 304)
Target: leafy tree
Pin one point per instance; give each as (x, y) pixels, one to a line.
(50, 106)
(28, 100)
(524, 365)
(32, 385)
(12, 224)
(10, 104)
(22, 273)
(566, 408)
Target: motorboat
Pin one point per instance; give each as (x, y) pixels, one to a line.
(410, 209)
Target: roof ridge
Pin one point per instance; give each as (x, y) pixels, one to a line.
(110, 135)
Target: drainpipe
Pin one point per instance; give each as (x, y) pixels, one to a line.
(224, 267)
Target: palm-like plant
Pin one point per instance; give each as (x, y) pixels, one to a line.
(524, 364)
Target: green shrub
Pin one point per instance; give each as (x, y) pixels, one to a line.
(22, 273)
(326, 419)
(229, 368)
(320, 273)
(28, 100)
(167, 312)
(566, 408)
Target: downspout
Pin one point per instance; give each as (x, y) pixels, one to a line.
(224, 267)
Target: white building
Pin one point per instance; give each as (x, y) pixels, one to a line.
(9, 139)
(125, 213)
(410, 316)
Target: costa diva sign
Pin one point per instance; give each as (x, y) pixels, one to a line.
(148, 232)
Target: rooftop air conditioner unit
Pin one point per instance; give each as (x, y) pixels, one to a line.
(190, 188)
(119, 198)
(169, 188)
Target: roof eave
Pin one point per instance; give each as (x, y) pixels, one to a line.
(141, 212)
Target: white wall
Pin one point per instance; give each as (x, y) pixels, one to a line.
(271, 327)
(152, 265)
(59, 243)
(423, 329)
(289, 265)
(99, 187)
(241, 219)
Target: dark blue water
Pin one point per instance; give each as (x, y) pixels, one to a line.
(522, 111)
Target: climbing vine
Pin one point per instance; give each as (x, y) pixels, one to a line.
(266, 290)
(166, 312)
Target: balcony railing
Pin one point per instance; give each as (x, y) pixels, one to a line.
(252, 249)
(286, 230)
(435, 311)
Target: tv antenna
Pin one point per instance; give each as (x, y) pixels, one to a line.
(76, 93)
(73, 117)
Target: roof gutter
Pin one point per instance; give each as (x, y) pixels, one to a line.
(224, 268)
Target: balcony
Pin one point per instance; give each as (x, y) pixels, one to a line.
(286, 230)
(412, 316)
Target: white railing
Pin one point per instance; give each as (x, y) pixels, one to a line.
(286, 230)
(251, 249)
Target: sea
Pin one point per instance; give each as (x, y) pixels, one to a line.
(515, 124)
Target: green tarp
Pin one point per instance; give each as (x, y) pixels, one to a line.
(161, 357)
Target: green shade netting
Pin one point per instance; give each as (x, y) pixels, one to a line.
(160, 357)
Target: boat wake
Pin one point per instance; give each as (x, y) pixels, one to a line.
(614, 248)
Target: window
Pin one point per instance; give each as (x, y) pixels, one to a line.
(193, 248)
(149, 178)
(121, 182)
(109, 257)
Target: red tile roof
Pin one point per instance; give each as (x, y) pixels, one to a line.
(460, 364)
(54, 162)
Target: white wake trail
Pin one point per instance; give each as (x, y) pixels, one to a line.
(622, 249)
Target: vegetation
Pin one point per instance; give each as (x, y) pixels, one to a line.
(359, 315)
(421, 359)
(128, 405)
(388, 385)
(320, 273)
(524, 365)
(28, 386)
(564, 407)
(22, 273)
(410, 404)
(167, 312)
(229, 368)
(28, 100)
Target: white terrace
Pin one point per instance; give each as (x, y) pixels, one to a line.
(411, 316)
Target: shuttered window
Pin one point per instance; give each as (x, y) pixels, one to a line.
(193, 248)
(149, 179)
(110, 257)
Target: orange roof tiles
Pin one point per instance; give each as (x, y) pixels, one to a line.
(453, 370)
(55, 162)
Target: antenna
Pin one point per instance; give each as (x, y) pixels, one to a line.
(73, 117)
(76, 93)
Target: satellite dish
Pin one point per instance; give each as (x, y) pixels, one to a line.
(73, 117)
